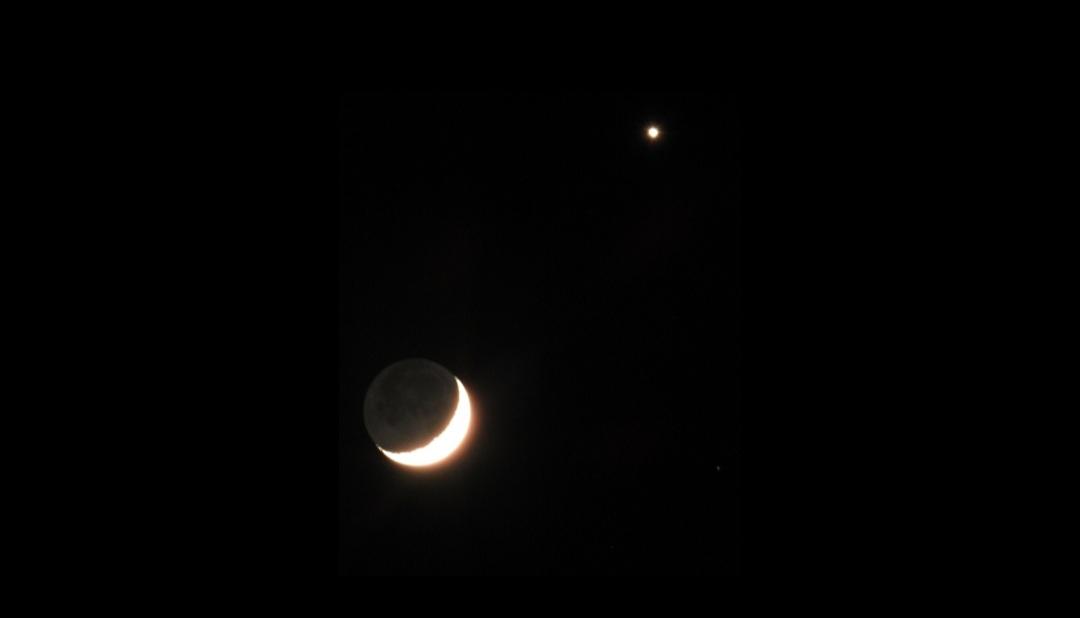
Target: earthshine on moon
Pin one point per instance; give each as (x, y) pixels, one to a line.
(417, 412)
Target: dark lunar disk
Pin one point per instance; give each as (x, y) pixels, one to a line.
(409, 403)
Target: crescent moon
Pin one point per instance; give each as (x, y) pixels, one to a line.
(444, 444)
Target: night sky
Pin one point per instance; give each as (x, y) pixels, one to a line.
(717, 353)
(584, 284)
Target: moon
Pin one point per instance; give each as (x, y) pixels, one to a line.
(417, 413)
(653, 132)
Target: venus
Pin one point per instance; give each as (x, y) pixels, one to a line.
(417, 412)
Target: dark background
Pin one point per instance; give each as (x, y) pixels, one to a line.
(583, 282)
(595, 293)
(686, 357)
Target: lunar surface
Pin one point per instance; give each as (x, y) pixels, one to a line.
(417, 412)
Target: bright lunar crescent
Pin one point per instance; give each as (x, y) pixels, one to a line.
(417, 412)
